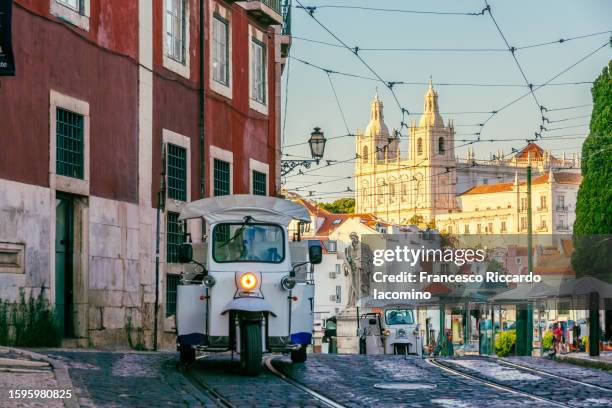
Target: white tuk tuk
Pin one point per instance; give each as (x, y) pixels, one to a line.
(246, 293)
(393, 330)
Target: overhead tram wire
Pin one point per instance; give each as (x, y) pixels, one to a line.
(346, 74)
(563, 40)
(546, 83)
(328, 139)
(355, 51)
(568, 119)
(404, 49)
(569, 107)
(331, 84)
(518, 64)
(311, 10)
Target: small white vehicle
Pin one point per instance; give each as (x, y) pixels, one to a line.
(246, 294)
(392, 331)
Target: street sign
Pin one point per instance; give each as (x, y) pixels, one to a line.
(7, 62)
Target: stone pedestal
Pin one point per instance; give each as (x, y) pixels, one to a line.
(346, 331)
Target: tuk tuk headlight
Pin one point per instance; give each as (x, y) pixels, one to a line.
(209, 281)
(288, 282)
(248, 281)
(401, 333)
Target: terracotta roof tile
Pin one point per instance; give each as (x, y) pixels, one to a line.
(562, 178)
(490, 188)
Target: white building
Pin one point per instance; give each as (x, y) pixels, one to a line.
(501, 208)
(462, 195)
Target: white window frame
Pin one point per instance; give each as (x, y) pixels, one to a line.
(170, 137)
(79, 18)
(57, 181)
(181, 68)
(255, 35)
(223, 89)
(261, 167)
(220, 154)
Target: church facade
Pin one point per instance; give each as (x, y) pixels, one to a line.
(428, 181)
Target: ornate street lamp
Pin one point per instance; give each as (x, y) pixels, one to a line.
(317, 149)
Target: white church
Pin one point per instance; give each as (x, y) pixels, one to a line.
(461, 195)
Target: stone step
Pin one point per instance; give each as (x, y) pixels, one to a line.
(14, 362)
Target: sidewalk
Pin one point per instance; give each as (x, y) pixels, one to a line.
(603, 361)
(25, 370)
(96, 378)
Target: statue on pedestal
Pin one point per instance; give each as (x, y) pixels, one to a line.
(359, 259)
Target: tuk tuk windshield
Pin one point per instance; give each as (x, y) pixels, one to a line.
(248, 243)
(393, 317)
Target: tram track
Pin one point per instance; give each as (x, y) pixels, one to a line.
(217, 398)
(223, 394)
(436, 363)
(268, 364)
(548, 374)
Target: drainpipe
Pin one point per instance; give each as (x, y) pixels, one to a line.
(161, 204)
(202, 112)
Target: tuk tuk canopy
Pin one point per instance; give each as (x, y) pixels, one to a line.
(233, 208)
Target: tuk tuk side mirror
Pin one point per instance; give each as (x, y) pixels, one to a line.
(185, 254)
(315, 254)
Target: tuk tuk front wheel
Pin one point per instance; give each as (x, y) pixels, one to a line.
(299, 356)
(187, 354)
(250, 348)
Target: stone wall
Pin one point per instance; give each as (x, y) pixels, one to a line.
(25, 220)
(114, 268)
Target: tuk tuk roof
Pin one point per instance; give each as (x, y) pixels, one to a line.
(233, 208)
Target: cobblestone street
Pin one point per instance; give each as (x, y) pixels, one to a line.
(141, 379)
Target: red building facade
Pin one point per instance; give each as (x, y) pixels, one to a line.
(107, 96)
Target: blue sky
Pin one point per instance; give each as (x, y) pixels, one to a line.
(311, 100)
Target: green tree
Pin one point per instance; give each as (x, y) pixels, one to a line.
(593, 250)
(341, 206)
(416, 220)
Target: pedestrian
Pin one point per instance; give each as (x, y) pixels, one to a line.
(576, 335)
(557, 337)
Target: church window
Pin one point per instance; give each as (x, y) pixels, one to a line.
(381, 193)
(392, 191)
(364, 157)
(404, 190)
(420, 146)
(441, 149)
(366, 197)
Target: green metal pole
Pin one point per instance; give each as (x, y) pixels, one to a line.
(529, 318)
(594, 324)
(441, 335)
(492, 343)
(466, 329)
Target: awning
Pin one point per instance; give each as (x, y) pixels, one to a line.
(233, 208)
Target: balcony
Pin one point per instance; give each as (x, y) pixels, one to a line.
(267, 12)
(542, 228)
(542, 208)
(563, 227)
(285, 38)
(562, 207)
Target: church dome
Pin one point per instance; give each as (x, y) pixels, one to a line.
(377, 126)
